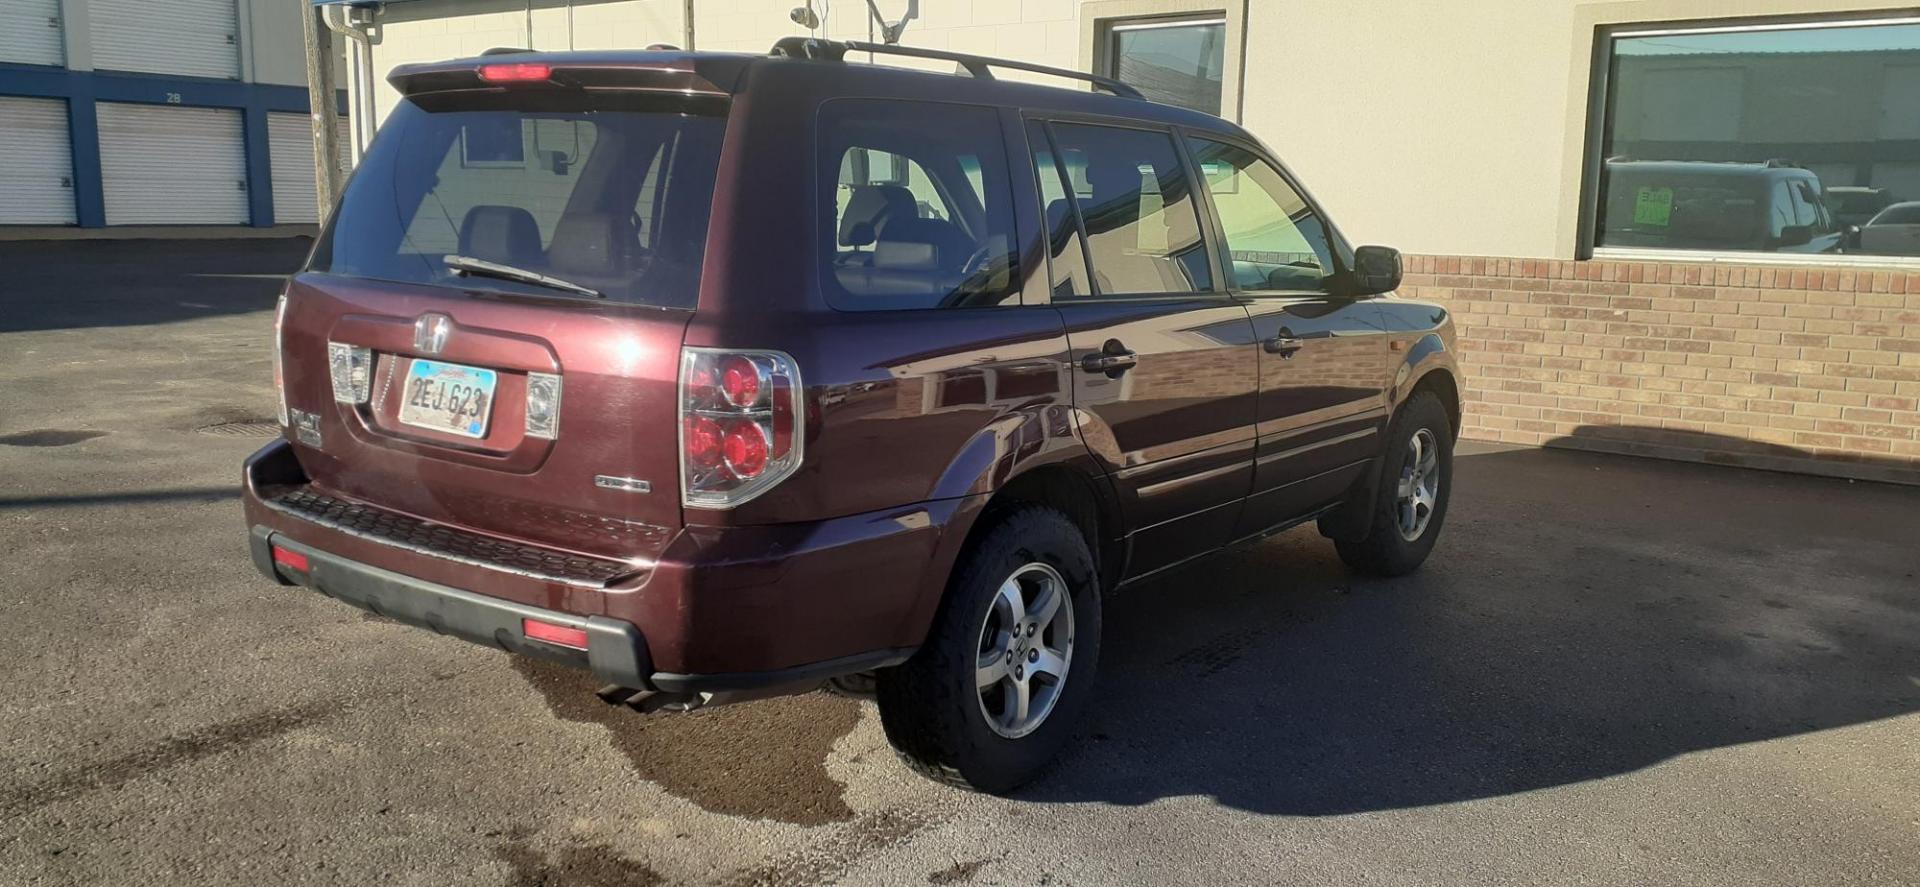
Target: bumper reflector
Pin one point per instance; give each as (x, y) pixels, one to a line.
(292, 560)
(558, 635)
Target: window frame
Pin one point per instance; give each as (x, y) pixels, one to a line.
(1342, 252)
(1599, 126)
(1207, 230)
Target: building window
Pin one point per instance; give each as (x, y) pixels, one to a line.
(1175, 62)
(1787, 139)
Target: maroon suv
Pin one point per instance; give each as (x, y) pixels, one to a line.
(724, 376)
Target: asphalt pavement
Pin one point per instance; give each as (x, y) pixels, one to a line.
(1613, 671)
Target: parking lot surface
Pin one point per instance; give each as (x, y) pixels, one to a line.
(1613, 671)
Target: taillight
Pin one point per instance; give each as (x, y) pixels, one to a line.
(279, 369)
(741, 415)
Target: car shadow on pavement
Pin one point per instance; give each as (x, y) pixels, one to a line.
(78, 284)
(1585, 615)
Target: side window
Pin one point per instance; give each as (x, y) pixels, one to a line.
(920, 211)
(1804, 212)
(1142, 222)
(1810, 208)
(1056, 208)
(1274, 241)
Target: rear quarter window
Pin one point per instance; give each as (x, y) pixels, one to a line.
(915, 207)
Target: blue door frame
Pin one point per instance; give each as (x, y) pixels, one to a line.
(81, 89)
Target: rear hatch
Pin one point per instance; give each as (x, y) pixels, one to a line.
(488, 333)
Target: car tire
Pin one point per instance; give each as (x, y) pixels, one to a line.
(934, 707)
(1419, 453)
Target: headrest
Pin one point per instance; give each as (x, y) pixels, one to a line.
(919, 244)
(505, 234)
(586, 243)
(874, 206)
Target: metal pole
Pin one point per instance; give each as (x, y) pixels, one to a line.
(686, 16)
(324, 102)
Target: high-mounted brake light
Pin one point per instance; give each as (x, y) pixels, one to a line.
(519, 72)
(742, 418)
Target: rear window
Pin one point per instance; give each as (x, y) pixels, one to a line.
(1902, 214)
(613, 199)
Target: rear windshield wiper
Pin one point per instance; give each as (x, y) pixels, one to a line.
(467, 265)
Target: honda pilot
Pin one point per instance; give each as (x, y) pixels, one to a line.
(724, 376)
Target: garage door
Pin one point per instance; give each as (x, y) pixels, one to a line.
(290, 141)
(167, 165)
(36, 179)
(30, 32)
(191, 38)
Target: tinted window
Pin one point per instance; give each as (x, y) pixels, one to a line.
(506, 185)
(1175, 63)
(919, 209)
(1135, 203)
(1696, 120)
(1069, 260)
(1274, 241)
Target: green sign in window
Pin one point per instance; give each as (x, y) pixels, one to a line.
(1653, 206)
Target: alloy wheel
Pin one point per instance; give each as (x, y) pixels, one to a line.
(1419, 487)
(1025, 648)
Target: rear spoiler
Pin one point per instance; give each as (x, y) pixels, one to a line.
(674, 76)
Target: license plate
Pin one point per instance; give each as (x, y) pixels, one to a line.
(448, 397)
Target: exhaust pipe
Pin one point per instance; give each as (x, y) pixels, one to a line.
(650, 701)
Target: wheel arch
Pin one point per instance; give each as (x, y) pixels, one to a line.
(1074, 486)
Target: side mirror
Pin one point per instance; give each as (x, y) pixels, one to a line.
(1850, 237)
(1376, 270)
(1793, 235)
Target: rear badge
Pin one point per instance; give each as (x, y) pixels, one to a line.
(628, 484)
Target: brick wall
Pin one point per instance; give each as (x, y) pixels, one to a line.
(1812, 370)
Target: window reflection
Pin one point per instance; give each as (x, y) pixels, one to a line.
(1785, 140)
(1173, 62)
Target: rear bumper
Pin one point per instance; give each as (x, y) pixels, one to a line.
(615, 651)
(719, 610)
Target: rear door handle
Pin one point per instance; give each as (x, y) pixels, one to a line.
(1284, 346)
(1113, 363)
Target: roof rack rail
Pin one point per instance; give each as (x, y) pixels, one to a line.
(978, 66)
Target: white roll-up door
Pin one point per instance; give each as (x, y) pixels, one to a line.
(290, 141)
(30, 32)
(36, 163)
(169, 165)
(191, 38)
